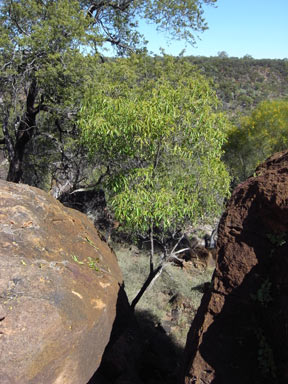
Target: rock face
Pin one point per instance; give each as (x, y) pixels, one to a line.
(240, 333)
(59, 285)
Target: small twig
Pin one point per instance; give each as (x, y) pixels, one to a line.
(180, 251)
(176, 245)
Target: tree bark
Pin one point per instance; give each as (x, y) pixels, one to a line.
(24, 132)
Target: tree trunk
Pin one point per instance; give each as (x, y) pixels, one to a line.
(23, 136)
(24, 133)
(152, 276)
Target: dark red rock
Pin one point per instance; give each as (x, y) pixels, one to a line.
(240, 333)
(59, 285)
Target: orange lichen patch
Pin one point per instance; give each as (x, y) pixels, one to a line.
(104, 285)
(36, 242)
(2, 216)
(97, 304)
(65, 375)
(27, 224)
(6, 244)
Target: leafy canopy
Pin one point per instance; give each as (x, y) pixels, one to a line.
(259, 135)
(49, 51)
(152, 125)
(49, 25)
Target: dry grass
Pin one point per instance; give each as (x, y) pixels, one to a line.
(173, 299)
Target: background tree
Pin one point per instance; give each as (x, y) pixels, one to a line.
(46, 48)
(258, 136)
(153, 130)
(39, 56)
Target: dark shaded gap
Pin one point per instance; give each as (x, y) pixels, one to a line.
(138, 351)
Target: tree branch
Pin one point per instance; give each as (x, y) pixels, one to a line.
(118, 43)
(94, 185)
(176, 245)
(151, 248)
(13, 18)
(119, 6)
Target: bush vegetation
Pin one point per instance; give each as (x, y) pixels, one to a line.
(258, 135)
(149, 131)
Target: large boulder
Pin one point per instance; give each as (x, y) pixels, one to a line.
(59, 286)
(240, 333)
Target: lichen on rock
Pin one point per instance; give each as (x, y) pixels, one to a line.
(59, 286)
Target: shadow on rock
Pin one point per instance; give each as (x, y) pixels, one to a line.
(240, 345)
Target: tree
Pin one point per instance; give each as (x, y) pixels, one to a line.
(39, 60)
(222, 54)
(258, 136)
(46, 54)
(153, 130)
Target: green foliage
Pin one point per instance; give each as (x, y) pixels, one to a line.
(90, 242)
(75, 258)
(263, 295)
(43, 73)
(277, 239)
(48, 51)
(242, 83)
(92, 263)
(259, 135)
(154, 126)
(177, 17)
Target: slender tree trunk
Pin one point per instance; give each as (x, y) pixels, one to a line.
(151, 248)
(25, 129)
(24, 134)
(152, 276)
(155, 273)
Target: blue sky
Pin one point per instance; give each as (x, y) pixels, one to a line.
(239, 27)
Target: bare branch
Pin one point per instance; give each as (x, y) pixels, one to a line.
(180, 251)
(94, 185)
(176, 245)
